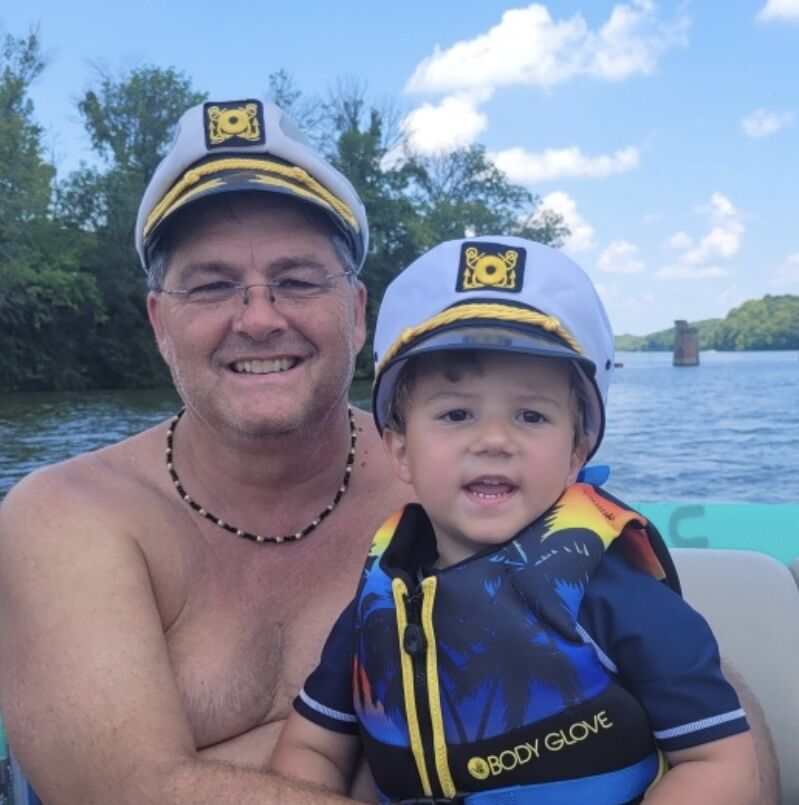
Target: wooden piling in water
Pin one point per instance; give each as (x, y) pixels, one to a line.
(686, 344)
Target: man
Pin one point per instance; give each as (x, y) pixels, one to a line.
(145, 647)
(162, 599)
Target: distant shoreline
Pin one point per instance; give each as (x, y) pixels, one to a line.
(703, 349)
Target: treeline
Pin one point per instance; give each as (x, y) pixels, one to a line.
(763, 324)
(72, 312)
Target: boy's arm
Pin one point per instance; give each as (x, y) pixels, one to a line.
(723, 772)
(305, 751)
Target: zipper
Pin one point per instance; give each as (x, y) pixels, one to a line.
(414, 643)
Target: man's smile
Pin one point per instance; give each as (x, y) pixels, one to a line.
(263, 366)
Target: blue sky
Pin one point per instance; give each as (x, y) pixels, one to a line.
(666, 133)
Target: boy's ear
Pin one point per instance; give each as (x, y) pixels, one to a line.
(579, 455)
(395, 447)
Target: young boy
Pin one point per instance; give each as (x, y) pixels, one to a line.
(518, 637)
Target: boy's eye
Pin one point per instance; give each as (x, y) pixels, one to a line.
(455, 415)
(531, 417)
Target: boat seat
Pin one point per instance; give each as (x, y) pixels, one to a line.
(795, 569)
(751, 602)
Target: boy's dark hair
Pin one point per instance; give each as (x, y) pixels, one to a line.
(453, 365)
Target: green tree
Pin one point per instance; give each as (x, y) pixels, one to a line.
(130, 121)
(307, 111)
(48, 306)
(414, 202)
(463, 194)
(357, 137)
(768, 323)
(25, 176)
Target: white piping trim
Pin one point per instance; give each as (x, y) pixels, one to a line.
(601, 656)
(327, 711)
(696, 726)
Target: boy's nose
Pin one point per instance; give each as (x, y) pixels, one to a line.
(494, 438)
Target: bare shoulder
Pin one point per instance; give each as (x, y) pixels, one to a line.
(93, 487)
(91, 505)
(85, 597)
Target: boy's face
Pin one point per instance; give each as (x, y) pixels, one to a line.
(489, 452)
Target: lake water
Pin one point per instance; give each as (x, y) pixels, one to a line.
(727, 430)
(680, 441)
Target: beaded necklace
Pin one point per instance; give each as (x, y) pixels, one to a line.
(239, 532)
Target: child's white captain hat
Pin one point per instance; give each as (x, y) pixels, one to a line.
(246, 145)
(496, 293)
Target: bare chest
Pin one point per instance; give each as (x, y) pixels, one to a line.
(251, 629)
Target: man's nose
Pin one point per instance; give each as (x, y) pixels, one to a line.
(259, 313)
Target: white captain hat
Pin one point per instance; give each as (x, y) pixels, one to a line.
(496, 293)
(246, 145)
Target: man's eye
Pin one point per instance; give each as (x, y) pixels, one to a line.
(305, 279)
(297, 284)
(217, 287)
(456, 415)
(531, 417)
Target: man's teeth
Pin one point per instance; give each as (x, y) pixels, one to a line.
(264, 367)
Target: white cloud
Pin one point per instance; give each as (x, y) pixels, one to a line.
(453, 123)
(680, 271)
(722, 242)
(679, 240)
(581, 236)
(528, 47)
(779, 10)
(526, 168)
(719, 242)
(720, 207)
(787, 274)
(620, 257)
(762, 123)
(624, 306)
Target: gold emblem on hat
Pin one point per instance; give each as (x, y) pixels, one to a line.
(233, 123)
(495, 270)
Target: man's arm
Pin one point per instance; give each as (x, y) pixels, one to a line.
(767, 764)
(87, 691)
(722, 772)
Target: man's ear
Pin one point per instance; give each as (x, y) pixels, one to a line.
(154, 313)
(360, 315)
(398, 455)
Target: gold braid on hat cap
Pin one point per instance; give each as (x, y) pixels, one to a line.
(305, 184)
(480, 310)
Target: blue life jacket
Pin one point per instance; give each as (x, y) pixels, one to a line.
(479, 677)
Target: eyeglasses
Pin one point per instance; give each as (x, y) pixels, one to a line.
(301, 285)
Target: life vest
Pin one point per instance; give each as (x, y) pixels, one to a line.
(479, 677)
